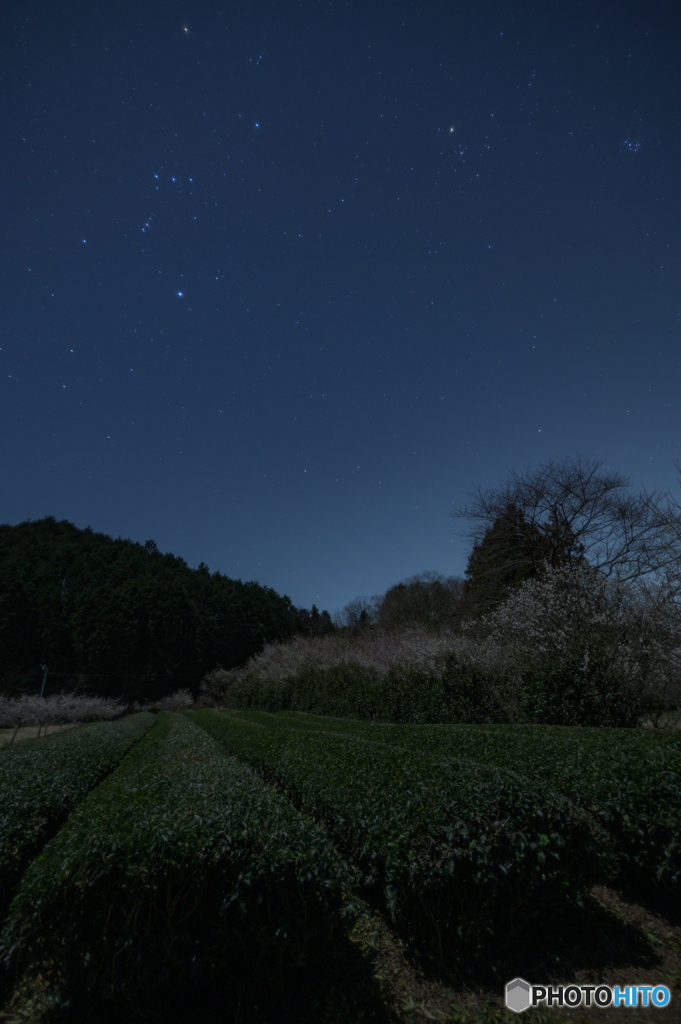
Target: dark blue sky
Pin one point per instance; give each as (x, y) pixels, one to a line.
(282, 281)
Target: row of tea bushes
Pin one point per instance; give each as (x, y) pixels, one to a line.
(40, 782)
(181, 858)
(628, 779)
(462, 851)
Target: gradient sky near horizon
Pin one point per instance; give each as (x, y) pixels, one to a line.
(280, 282)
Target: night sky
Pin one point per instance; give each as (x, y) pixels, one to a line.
(280, 282)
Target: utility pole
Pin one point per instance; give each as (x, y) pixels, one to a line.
(45, 671)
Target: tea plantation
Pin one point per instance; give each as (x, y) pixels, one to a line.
(141, 856)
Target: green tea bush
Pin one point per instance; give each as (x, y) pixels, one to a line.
(181, 859)
(461, 851)
(41, 781)
(628, 779)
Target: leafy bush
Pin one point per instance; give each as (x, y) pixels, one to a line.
(341, 687)
(40, 783)
(180, 859)
(377, 652)
(462, 693)
(628, 779)
(537, 640)
(461, 851)
(180, 700)
(582, 688)
(477, 696)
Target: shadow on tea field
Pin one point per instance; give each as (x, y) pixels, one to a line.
(377, 976)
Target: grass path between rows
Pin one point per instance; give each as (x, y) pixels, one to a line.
(30, 732)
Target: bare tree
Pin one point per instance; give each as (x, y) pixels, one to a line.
(670, 523)
(360, 612)
(578, 514)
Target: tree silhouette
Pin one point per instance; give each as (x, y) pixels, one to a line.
(428, 598)
(577, 514)
(126, 618)
(510, 551)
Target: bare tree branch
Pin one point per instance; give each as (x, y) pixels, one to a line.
(580, 514)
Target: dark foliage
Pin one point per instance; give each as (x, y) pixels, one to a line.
(181, 859)
(580, 689)
(428, 598)
(628, 779)
(41, 783)
(459, 851)
(122, 617)
(571, 512)
(477, 697)
(510, 551)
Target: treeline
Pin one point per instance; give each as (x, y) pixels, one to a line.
(569, 614)
(118, 618)
(568, 515)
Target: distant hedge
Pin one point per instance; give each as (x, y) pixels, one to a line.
(574, 691)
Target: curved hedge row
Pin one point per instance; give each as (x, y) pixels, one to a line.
(463, 852)
(628, 779)
(42, 780)
(181, 857)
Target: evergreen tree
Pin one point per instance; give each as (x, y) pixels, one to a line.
(123, 617)
(510, 551)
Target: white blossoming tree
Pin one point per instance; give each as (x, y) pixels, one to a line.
(546, 618)
(58, 709)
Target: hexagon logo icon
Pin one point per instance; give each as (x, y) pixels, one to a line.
(518, 995)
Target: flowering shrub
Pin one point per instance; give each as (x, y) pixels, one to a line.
(60, 708)
(181, 700)
(638, 629)
(581, 688)
(567, 647)
(378, 651)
